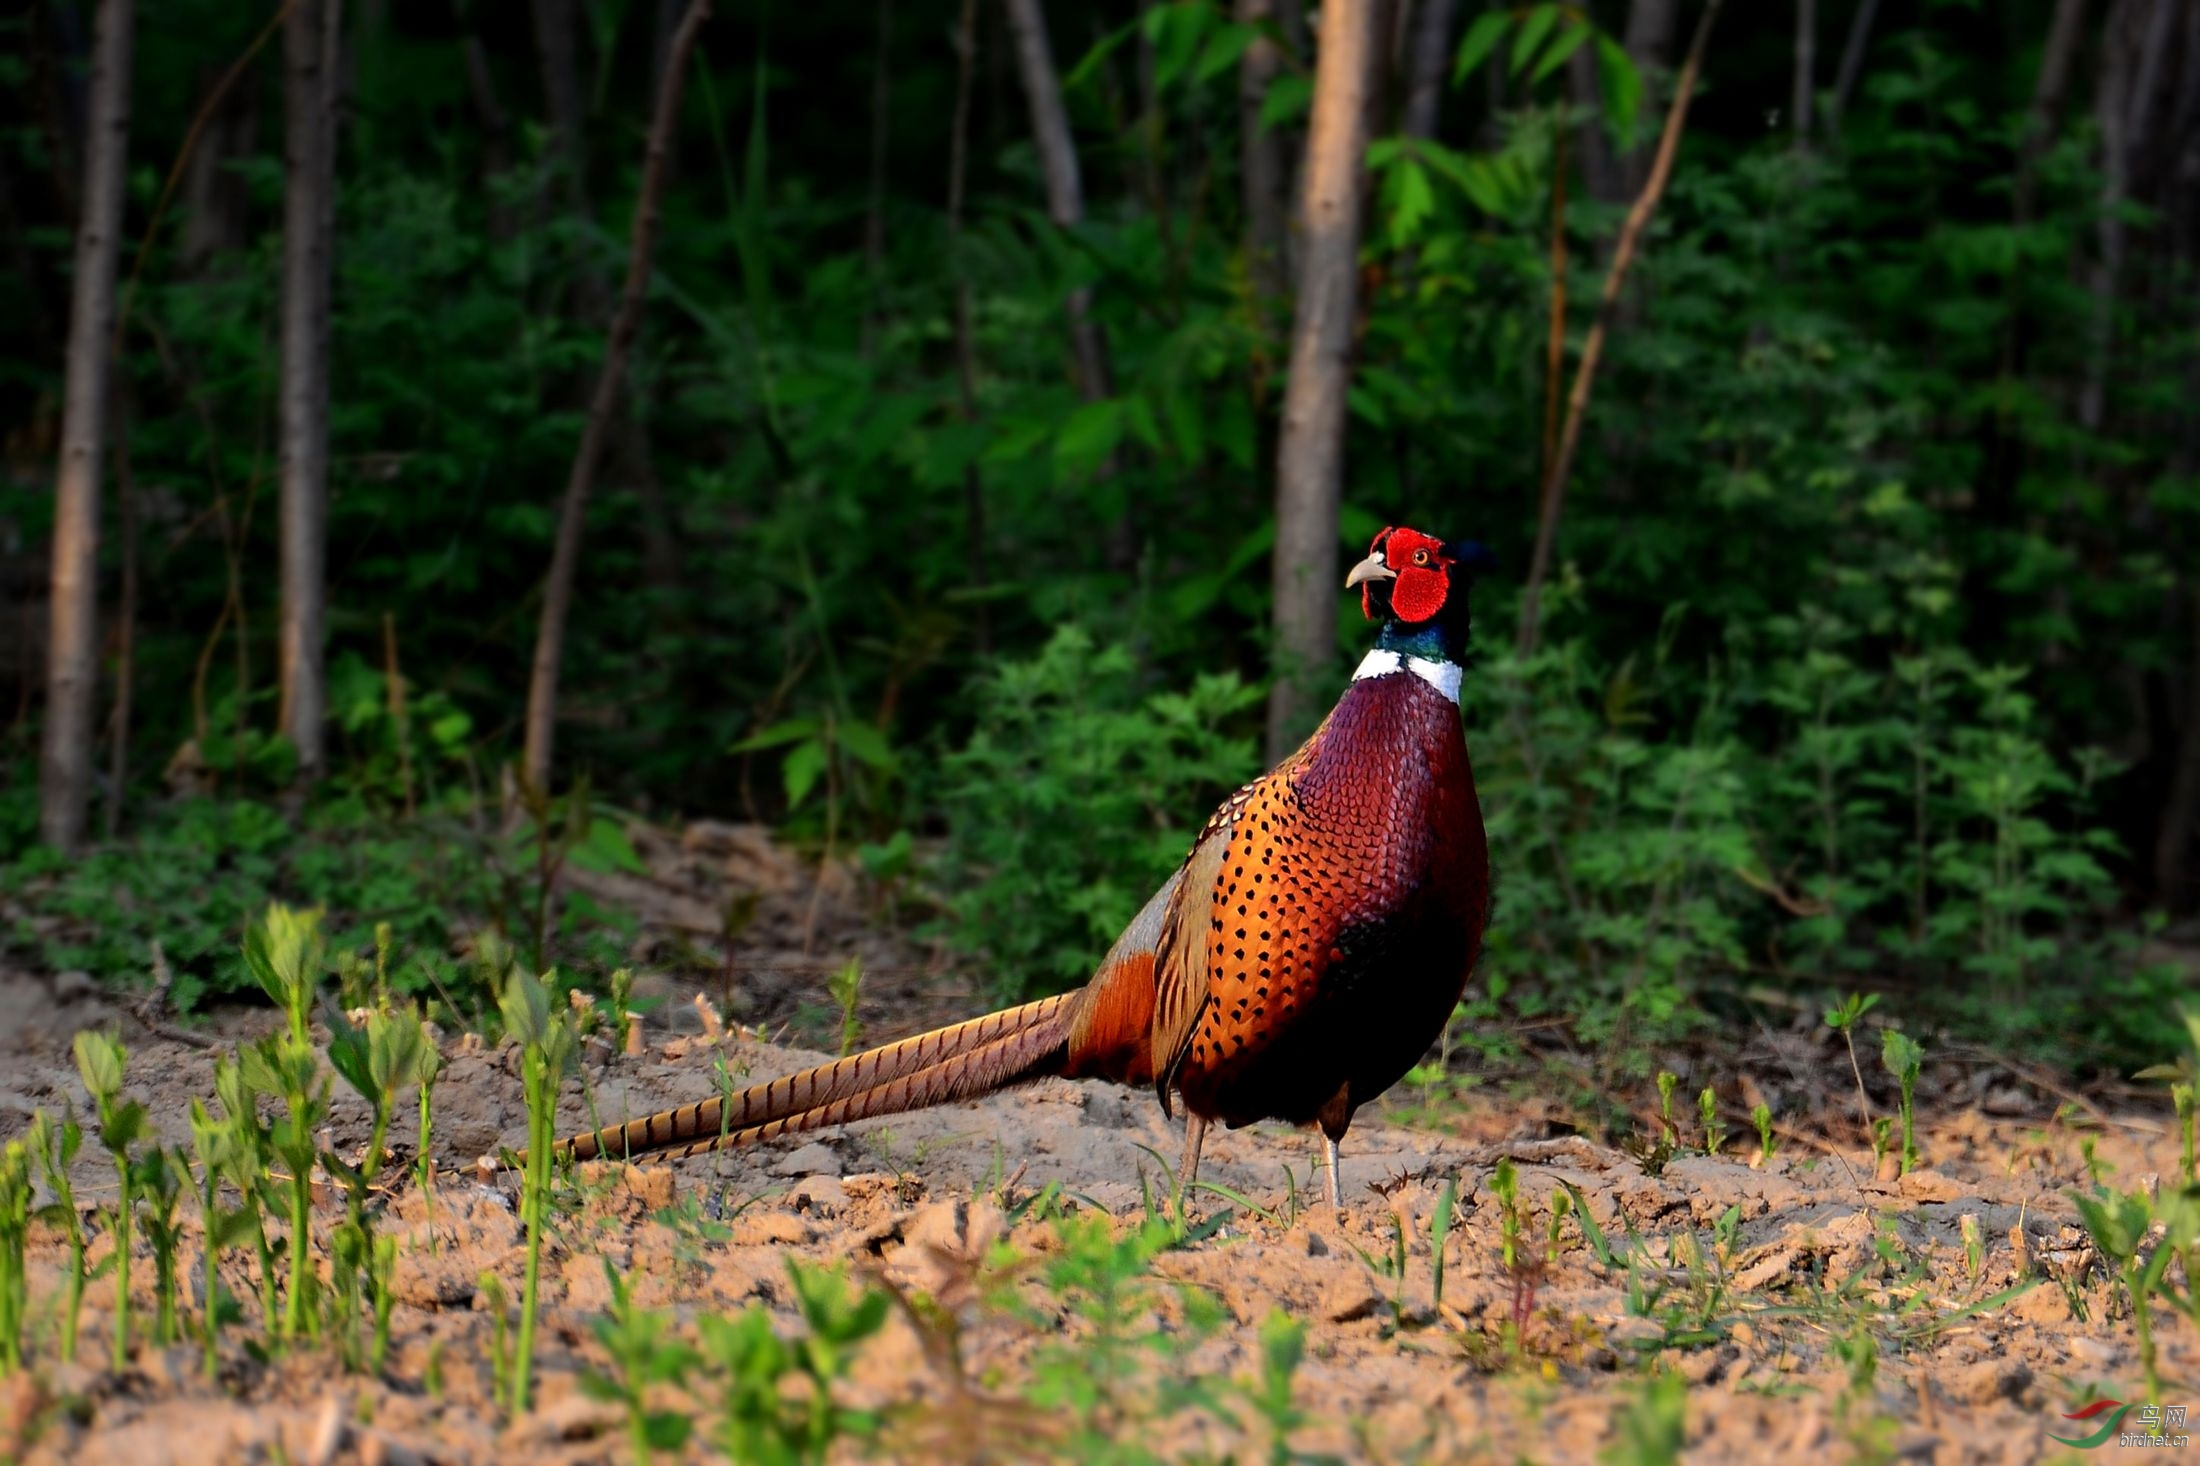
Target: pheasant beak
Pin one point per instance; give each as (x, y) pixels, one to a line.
(1372, 568)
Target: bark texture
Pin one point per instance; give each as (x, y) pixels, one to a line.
(1064, 183)
(308, 186)
(72, 667)
(1310, 453)
(1428, 66)
(1266, 170)
(557, 593)
(1805, 86)
(1592, 348)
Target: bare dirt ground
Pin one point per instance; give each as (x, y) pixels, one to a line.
(1835, 1313)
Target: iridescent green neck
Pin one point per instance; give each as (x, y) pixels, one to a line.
(1425, 641)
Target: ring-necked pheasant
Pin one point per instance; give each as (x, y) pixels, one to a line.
(1304, 956)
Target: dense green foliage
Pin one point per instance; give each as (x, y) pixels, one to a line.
(1852, 598)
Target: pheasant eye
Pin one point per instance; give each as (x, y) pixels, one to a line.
(1420, 557)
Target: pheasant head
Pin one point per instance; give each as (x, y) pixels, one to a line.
(1416, 585)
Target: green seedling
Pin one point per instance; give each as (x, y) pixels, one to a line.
(380, 1062)
(278, 1067)
(1903, 1059)
(159, 1181)
(100, 1062)
(214, 1142)
(2180, 1095)
(1842, 1019)
(1760, 1115)
(622, 1008)
(285, 951)
(1439, 1232)
(1667, 1083)
(1505, 1185)
(2096, 1168)
(15, 1231)
(1974, 1245)
(430, 1069)
(385, 938)
(846, 988)
(491, 1288)
(1882, 1140)
(55, 1149)
(1714, 1129)
(1653, 1428)
(1562, 1206)
(1858, 1352)
(1275, 1397)
(2120, 1223)
(548, 1047)
(244, 1165)
(763, 1422)
(642, 1355)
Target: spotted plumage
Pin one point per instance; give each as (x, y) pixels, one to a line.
(1304, 956)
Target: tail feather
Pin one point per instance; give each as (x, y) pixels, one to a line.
(706, 1125)
(1031, 1053)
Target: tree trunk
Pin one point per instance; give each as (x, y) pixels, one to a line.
(1428, 66)
(496, 138)
(1592, 348)
(307, 191)
(118, 746)
(1652, 26)
(216, 201)
(1852, 64)
(65, 762)
(2057, 59)
(557, 51)
(1310, 451)
(874, 212)
(2132, 61)
(1805, 87)
(1603, 175)
(1065, 186)
(2174, 883)
(1266, 176)
(966, 346)
(557, 594)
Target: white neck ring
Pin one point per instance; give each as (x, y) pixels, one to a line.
(1381, 662)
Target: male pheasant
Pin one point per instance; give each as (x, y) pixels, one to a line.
(1304, 956)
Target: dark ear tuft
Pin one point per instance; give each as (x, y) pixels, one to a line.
(1472, 556)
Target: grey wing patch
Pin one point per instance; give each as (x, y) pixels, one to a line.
(1180, 961)
(1144, 932)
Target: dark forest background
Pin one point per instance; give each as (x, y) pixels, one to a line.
(934, 522)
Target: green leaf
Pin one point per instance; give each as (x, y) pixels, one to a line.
(1413, 202)
(792, 730)
(1089, 436)
(865, 744)
(1225, 48)
(1289, 97)
(1619, 84)
(804, 766)
(1568, 42)
(607, 848)
(1481, 39)
(1533, 30)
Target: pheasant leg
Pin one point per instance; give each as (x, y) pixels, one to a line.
(1195, 1135)
(1329, 1160)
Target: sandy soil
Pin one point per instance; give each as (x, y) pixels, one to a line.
(1818, 1252)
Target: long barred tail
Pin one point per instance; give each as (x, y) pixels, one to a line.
(957, 1062)
(1033, 1053)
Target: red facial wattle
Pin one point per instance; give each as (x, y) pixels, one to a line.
(1423, 575)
